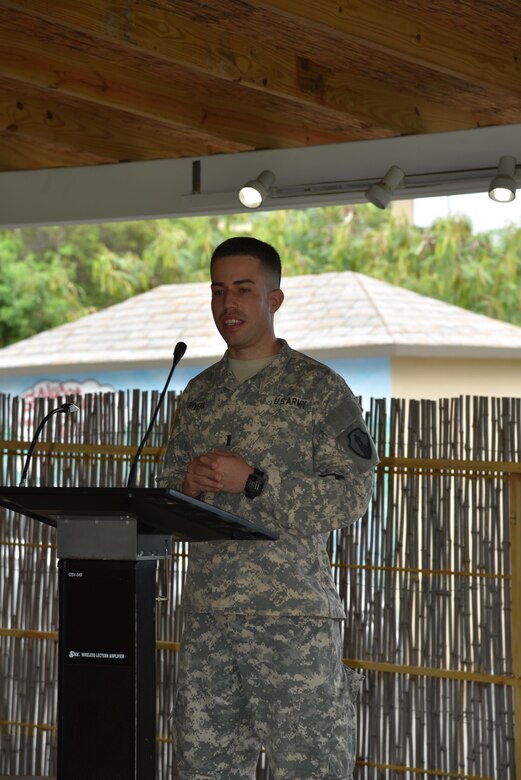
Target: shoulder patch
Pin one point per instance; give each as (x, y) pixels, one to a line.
(360, 443)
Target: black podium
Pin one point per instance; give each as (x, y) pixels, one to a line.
(109, 541)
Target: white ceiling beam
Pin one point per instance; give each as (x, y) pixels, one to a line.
(443, 163)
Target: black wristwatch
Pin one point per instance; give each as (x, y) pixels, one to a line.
(255, 484)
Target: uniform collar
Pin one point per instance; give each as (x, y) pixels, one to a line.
(262, 381)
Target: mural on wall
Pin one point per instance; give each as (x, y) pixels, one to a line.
(56, 388)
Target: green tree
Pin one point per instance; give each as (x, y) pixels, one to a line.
(53, 275)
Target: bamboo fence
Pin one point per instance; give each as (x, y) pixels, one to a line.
(430, 579)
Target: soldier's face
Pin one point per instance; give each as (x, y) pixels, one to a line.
(243, 305)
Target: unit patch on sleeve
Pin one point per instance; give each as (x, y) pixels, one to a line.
(360, 443)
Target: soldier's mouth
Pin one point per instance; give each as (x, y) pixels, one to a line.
(232, 323)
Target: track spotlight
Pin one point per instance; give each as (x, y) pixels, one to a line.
(255, 191)
(380, 193)
(503, 186)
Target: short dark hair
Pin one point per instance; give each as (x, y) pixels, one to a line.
(247, 245)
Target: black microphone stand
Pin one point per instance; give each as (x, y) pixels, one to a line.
(180, 349)
(66, 408)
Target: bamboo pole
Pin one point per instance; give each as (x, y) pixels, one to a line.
(515, 546)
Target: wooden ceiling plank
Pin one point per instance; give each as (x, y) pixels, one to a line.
(64, 70)
(235, 58)
(18, 152)
(419, 38)
(101, 132)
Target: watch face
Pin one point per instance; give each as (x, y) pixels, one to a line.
(255, 484)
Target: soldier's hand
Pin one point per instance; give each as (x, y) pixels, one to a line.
(234, 471)
(203, 476)
(216, 472)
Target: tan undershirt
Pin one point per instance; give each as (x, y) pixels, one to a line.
(245, 369)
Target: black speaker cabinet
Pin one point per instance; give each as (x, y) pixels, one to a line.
(106, 710)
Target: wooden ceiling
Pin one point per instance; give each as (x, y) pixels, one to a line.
(91, 82)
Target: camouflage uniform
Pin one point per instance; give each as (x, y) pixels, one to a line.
(298, 422)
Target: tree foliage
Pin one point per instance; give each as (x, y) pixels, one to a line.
(53, 275)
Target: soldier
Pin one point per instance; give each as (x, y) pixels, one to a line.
(276, 437)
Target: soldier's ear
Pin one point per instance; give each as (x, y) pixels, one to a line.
(276, 298)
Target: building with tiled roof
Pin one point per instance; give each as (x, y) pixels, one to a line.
(383, 339)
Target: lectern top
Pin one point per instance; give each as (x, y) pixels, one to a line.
(157, 510)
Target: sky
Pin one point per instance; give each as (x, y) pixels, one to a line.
(485, 213)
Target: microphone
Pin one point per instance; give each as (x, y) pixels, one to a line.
(63, 409)
(180, 349)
